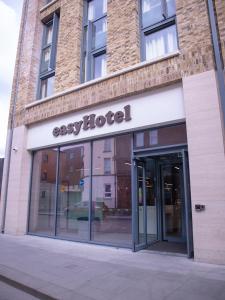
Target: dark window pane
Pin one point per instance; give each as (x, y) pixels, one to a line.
(96, 9)
(151, 12)
(42, 210)
(100, 66)
(73, 193)
(161, 42)
(107, 166)
(111, 194)
(164, 136)
(99, 33)
(171, 7)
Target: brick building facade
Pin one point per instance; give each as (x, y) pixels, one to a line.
(178, 87)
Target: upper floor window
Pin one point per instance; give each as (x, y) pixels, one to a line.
(48, 57)
(94, 40)
(158, 24)
(107, 145)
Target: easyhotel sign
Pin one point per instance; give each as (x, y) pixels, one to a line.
(92, 121)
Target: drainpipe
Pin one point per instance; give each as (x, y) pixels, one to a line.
(218, 58)
(11, 118)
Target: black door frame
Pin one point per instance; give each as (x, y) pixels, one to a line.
(137, 155)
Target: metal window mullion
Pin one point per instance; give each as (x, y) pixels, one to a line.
(187, 200)
(164, 9)
(90, 194)
(100, 18)
(98, 51)
(56, 190)
(158, 26)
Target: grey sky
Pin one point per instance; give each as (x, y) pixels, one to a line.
(10, 13)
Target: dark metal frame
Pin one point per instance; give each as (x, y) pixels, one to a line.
(91, 54)
(144, 31)
(187, 198)
(51, 69)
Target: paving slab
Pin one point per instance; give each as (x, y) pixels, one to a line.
(69, 270)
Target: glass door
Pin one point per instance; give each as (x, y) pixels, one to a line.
(145, 208)
(173, 201)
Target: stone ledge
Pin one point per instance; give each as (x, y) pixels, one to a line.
(47, 10)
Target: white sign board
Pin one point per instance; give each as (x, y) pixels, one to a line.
(149, 109)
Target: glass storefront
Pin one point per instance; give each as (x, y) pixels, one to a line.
(83, 192)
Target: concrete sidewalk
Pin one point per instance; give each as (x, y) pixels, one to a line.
(68, 270)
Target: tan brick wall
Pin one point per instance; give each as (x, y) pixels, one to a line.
(123, 47)
(123, 39)
(69, 45)
(27, 65)
(220, 11)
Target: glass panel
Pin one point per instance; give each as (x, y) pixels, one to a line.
(153, 137)
(172, 199)
(164, 136)
(111, 221)
(48, 35)
(140, 203)
(99, 33)
(139, 139)
(151, 12)
(100, 66)
(43, 88)
(107, 145)
(151, 207)
(45, 59)
(161, 42)
(47, 87)
(73, 193)
(171, 7)
(42, 210)
(96, 9)
(50, 85)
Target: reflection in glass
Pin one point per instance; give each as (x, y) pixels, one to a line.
(96, 9)
(151, 205)
(111, 193)
(47, 86)
(141, 211)
(45, 59)
(173, 200)
(42, 209)
(151, 12)
(48, 35)
(99, 33)
(73, 192)
(163, 136)
(100, 65)
(161, 42)
(171, 7)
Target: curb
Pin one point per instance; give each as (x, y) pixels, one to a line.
(25, 288)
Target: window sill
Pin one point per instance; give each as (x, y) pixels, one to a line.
(109, 76)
